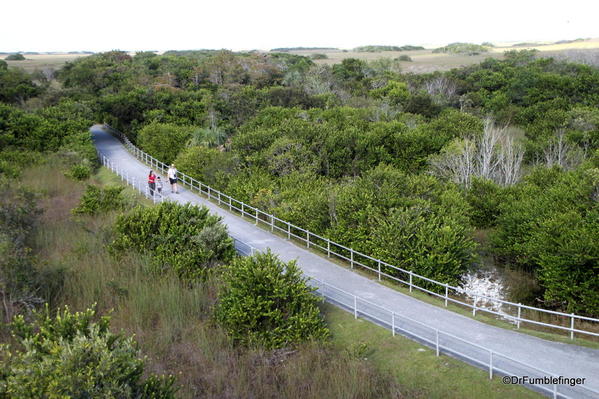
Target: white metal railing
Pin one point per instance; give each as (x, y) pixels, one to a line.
(442, 342)
(514, 311)
(142, 187)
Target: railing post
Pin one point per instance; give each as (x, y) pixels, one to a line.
(490, 365)
(446, 294)
(257, 217)
(474, 307)
(328, 248)
(288, 231)
(272, 223)
(242, 209)
(307, 239)
(572, 326)
(411, 285)
(219, 198)
(230, 206)
(437, 341)
(351, 255)
(209, 192)
(554, 390)
(355, 307)
(379, 270)
(393, 323)
(519, 315)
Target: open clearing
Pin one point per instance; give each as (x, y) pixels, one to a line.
(43, 61)
(424, 61)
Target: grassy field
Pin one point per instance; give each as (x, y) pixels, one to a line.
(422, 60)
(426, 61)
(172, 323)
(43, 61)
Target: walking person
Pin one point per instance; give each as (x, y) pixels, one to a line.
(152, 182)
(172, 178)
(159, 185)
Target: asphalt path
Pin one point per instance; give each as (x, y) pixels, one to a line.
(558, 358)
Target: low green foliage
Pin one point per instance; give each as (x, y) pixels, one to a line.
(13, 161)
(71, 355)
(80, 172)
(184, 238)
(266, 302)
(100, 200)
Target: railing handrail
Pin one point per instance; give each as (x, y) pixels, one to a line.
(143, 188)
(246, 209)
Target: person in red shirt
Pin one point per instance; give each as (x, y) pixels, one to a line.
(152, 182)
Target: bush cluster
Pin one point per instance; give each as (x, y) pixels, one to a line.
(266, 302)
(72, 355)
(100, 200)
(184, 238)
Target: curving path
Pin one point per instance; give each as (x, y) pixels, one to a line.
(558, 358)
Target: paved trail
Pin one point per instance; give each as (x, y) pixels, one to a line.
(558, 358)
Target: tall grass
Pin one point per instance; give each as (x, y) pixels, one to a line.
(172, 321)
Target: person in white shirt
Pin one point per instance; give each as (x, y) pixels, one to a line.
(172, 178)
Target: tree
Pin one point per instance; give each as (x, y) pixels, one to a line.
(492, 155)
(266, 302)
(71, 355)
(164, 140)
(15, 57)
(16, 86)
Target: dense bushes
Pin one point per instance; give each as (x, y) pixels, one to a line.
(549, 224)
(99, 200)
(266, 302)
(71, 355)
(409, 221)
(184, 238)
(164, 141)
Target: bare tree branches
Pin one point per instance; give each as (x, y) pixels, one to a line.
(560, 153)
(493, 155)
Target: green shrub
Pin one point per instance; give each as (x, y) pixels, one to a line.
(404, 57)
(15, 57)
(12, 161)
(80, 172)
(484, 197)
(266, 302)
(163, 140)
(72, 356)
(184, 238)
(99, 200)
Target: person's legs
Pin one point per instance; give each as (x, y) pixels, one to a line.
(152, 187)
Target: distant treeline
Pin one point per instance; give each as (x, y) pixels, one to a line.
(462, 48)
(377, 49)
(279, 49)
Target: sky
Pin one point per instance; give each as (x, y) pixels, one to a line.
(132, 25)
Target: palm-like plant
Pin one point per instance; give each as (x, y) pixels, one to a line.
(207, 137)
